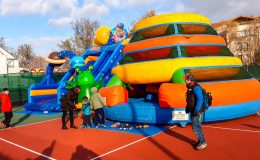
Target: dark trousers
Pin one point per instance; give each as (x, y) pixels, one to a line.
(87, 120)
(196, 126)
(99, 116)
(8, 117)
(64, 114)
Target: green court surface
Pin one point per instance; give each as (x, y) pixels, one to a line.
(23, 119)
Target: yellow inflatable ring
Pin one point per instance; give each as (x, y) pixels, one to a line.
(171, 18)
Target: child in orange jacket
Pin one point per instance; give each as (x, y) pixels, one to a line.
(6, 108)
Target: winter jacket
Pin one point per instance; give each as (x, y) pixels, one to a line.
(96, 100)
(86, 109)
(69, 100)
(6, 103)
(194, 98)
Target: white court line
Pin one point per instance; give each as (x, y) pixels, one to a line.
(30, 124)
(39, 122)
(126, 145)
(233, 129)
(27, 149)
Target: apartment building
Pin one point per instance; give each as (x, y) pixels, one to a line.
(242, 35)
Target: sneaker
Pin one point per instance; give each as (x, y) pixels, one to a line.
(2, 125)
(201, 146)
(195, 143)
(75, 127)
(104, 126)
(82, 126)
(64, 127)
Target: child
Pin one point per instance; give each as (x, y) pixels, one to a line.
(6, 108)
(97, 103)
(86, 112)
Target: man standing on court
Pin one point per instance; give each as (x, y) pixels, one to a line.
(68, 103)
(194, 99)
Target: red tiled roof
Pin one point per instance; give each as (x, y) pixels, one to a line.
(236, 19)
(216, 25)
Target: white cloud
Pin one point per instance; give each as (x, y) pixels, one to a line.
(131, 3)
(215, 10)
(42, 46)
(141, 3)
(27, 7)
(86, 10)
(61, 21)
(181, 7)
(221, 9)
(114, 3)
(61, 11)
(89, 10)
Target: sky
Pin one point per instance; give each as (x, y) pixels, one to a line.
(44, 23)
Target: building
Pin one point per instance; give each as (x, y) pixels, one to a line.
(242, 35)
(8, 64)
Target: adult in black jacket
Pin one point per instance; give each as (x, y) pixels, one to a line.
(68, 103)
(194, 98)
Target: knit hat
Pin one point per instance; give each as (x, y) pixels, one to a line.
(5, 89)
(189, 76)
(93, 90)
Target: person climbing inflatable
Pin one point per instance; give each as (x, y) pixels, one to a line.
(106, 36)
(117, 34)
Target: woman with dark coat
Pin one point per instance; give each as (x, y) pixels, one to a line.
(68, 103)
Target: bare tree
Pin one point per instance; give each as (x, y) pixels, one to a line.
(66, 45)
(2, 43)
(25, 55)
(38, 62)
(243, 41)
(148, 14)
(84, 32)
(5, 47)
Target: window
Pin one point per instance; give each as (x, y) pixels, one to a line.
(242, 33)
(245, 46)
(195, 29)
(155, 54)
(152, 32)
(219, 74)
(193, 51)
(239, 47)
(168, 29)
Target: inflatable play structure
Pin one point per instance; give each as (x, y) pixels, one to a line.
(142, 79)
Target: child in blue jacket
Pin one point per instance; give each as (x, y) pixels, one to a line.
(86, 112)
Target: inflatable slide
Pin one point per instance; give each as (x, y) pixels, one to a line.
(142, 78)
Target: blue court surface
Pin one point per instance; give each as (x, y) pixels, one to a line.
(150, 131)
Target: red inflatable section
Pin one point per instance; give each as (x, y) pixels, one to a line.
(224, 93)
(114, 95)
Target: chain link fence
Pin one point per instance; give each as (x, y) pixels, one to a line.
(19, 83)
